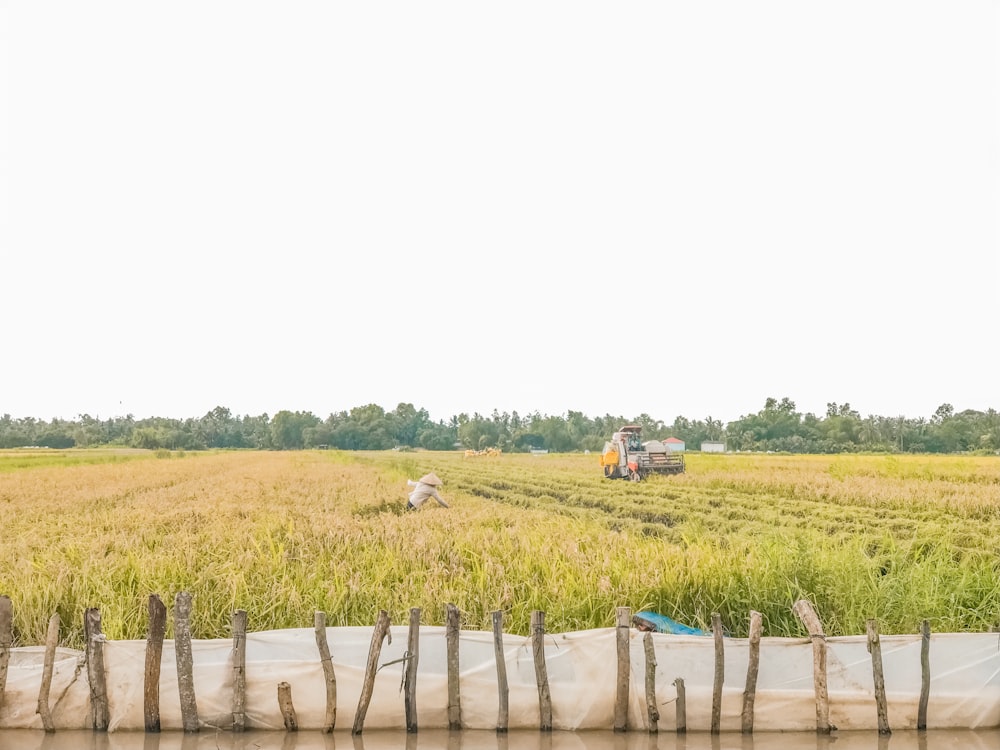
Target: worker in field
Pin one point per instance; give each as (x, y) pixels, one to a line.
(424, 488)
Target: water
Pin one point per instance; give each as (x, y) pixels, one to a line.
(939, 739)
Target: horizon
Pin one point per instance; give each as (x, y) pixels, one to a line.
(522, 414)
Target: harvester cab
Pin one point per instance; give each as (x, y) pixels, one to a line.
(625, 456)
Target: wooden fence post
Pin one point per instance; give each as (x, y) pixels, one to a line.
(541, 673)
(154, 655)
(329, 676)
(623, 618)
(875, 649)
(51, 641)
(807, 614)
(652, 711)
(6, 641)
(501, 661)
(753, 667)
(925, 673)
(287, 708)
(185, 662)
(720, 673)
(452, 630)
(239, 670)
(410, 670)
(378, 635)
(681, 706)
(95, 668)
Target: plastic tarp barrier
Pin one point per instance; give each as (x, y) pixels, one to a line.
(69, 693)
(581, 668)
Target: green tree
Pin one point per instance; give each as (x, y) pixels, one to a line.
(989, 431)
(478, 433)
(554, 432)
(772, 428)
(55, 437)
(437, 437)
(841, 430)
(408, 422)
(288, 429)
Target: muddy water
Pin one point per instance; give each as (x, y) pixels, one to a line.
(488, 740)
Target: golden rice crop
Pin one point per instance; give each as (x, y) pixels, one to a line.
(283, 534)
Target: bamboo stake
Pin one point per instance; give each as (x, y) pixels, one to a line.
(807, 614)
(501, 661)
(541, 673)
(681, 706)
(925, 673)
(753, 667)
(651, 709)
(51, 641)
(154, 656)
(95, 668)
(329, 676)
(185, 662)
(623, 617)
(6, 641)
(875, 649)
(378, 635)
(410, 670)
(720, 672)
(452, 624)
(287, 709)
(239, 670)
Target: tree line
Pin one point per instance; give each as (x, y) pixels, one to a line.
(778, 427)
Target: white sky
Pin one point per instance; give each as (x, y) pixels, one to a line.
(670, 208)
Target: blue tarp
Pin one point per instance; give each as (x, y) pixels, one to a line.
(662, 624)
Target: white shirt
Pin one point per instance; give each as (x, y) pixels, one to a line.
(423, 491)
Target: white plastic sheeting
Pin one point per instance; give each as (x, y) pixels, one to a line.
(69, 694)
(581, 668)
(527, 739)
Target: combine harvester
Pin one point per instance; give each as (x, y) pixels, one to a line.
(625, 456)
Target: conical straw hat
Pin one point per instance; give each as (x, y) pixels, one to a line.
(431, 479)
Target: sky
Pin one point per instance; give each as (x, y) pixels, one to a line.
(660, 208)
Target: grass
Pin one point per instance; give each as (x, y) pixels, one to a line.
(283, 534)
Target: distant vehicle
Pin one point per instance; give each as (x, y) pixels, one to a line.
(625, 456)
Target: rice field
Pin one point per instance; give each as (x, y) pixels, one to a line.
(283, 534)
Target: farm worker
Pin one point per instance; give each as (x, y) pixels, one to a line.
(424, 488)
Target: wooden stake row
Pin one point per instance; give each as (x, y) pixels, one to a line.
(808, 616)
(100, 715)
